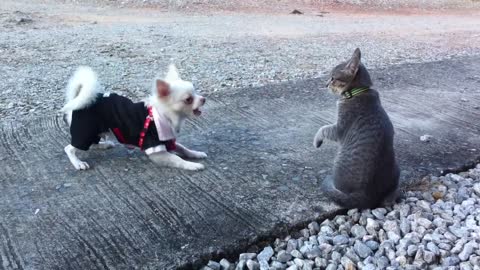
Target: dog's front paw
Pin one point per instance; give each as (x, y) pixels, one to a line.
(193, 166)
(197, 154)
(81, 165)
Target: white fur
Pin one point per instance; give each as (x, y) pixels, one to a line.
(171, 160)
(76, 162)
(187, 153)
(176, 111)
(172, 74)
(104, 143)
(83, 88)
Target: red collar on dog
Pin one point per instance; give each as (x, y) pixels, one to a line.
(146, 124)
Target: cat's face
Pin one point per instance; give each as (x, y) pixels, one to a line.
(343, 74)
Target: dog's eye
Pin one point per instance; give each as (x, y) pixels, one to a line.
(189, 100)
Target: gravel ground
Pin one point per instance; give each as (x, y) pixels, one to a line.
(437, 226)
(41, 44)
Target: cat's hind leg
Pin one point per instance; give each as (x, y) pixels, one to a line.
(392, 198)
(345, 200)
(393, 194)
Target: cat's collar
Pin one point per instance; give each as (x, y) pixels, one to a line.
(353, 92)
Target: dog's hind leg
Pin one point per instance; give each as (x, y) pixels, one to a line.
(104, 143)
(68, 118)
(76, 162)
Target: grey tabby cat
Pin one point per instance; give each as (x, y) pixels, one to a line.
(365, 172)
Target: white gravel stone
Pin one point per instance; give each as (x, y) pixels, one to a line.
(423, 222)
(466, 266)
(379, 213)
(295, 253)
(467, 250)
(253, 265)
(476, 188)
(426, 138)
(372, 226)
(347, 263)
(214, 265)
(226, 265)
(247, 256)
(450, 261)
(412, 250)
(283, 256)
(293, 267)
(266, 254)
(314, 252)
(362, 250)
(332, 266)
(314, 228)
(292, 244)
(340, 240)
(278, 266)
(358, 231)
(241, 265)
(433, 248)
(336, 256)
(321, 262)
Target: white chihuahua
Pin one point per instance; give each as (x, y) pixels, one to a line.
(151, 125)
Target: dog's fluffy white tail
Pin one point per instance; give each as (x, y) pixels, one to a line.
(82, 89)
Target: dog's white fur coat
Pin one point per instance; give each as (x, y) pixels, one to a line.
(179, 103)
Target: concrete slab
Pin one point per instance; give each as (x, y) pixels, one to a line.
(261, 178)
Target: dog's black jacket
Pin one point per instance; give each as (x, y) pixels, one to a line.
(116, 113)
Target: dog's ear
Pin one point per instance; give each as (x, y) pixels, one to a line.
(172, 74)
(163, 89)
(354, 62)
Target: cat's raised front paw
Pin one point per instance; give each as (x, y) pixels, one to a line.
(318, 140)
(317, 143)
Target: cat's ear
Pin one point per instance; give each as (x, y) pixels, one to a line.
(354, 62)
